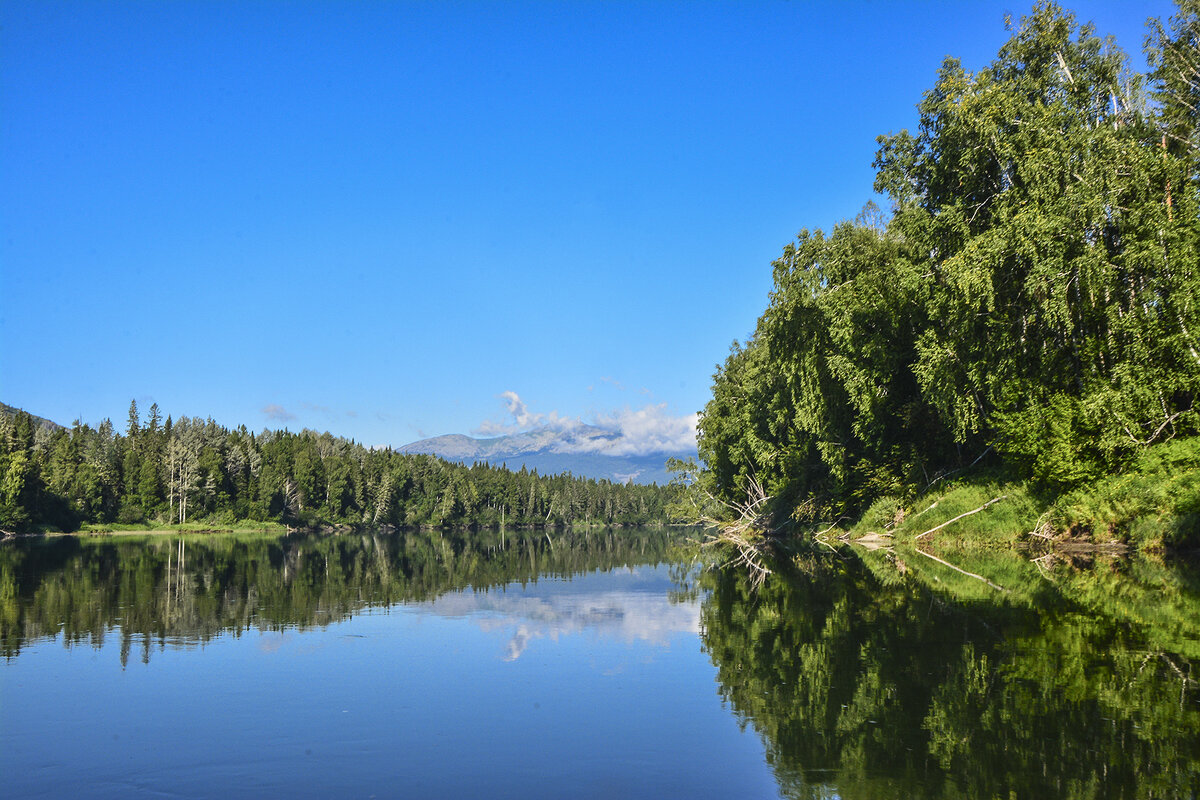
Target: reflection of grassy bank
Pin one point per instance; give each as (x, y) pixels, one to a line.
(1160, 598)
(1155, 504)
(892, 675)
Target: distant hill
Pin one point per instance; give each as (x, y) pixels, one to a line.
(580, 451)
(41, 422)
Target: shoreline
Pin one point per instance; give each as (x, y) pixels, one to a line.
(279, 529)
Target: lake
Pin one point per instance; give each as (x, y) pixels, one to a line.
(597, 664)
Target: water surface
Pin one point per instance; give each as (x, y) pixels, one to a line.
(594, 664)
(386, 666)
(967, 674)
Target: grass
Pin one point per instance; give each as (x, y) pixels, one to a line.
(1003, 522)
(1153, 505)
(145, 528)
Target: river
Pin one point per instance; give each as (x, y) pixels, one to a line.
(598, 664)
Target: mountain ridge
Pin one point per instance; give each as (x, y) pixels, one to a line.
(583, 450)
(41, 422)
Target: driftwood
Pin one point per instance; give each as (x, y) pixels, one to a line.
(960, 516)
(873, 540)
(929, 508)
(1045, 564)
(1043, 528)
(746, 532)
(831, 527)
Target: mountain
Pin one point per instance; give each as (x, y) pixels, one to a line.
(41, 422)
(584, 450)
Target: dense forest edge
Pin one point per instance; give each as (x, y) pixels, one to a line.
(1014, 351)
(194, 474)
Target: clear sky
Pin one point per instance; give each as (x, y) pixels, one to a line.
(375, 218)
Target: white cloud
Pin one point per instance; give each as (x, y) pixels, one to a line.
(612, 608)
(649, 429)
(625, 432)
(520, 413)
(277, 412)
(522, 419)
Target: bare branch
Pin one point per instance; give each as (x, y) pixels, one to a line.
(1157, 432)
(746, 532)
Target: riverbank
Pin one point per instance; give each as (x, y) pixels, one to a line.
(153, 529)
(279, 529)
(1153, 505)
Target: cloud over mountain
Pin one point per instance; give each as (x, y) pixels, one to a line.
(625, 432)
(624, 445)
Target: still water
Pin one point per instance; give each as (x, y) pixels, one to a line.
(588, 665)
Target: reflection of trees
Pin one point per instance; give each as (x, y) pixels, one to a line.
(890, 688)
(159, 590)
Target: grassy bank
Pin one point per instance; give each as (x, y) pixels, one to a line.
(278, 529)
(1153, 505)
(147, 528)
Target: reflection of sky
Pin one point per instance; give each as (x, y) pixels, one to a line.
(627, 605)
(407, 700)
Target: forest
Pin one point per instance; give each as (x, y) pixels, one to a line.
(1027, 308)
(165, 471)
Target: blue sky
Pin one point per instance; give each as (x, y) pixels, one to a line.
(376, 218)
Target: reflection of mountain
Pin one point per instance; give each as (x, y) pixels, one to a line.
(579, 450)
(171, 590)
(629, 605)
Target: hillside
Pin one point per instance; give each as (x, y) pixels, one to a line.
(48, 425)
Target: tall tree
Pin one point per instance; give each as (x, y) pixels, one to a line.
(1036, 290)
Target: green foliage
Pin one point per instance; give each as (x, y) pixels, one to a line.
(1175, 71)
(1002, 523)
(193, 469)
(1156, 501)
(930, 684)
(1034, 298)
(1153, 503)
(884, 514)
(1053, 443)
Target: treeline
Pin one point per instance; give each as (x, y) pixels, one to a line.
(1032, 302)
(192, 469)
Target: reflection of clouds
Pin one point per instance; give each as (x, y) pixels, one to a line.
(596, 603)
(271, 642)
(517, 644)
